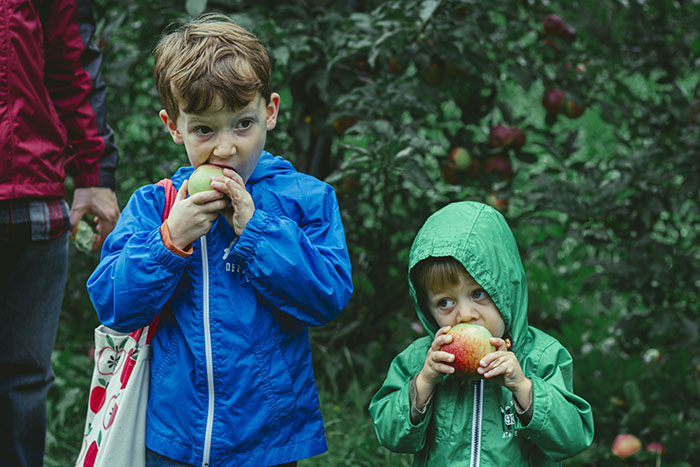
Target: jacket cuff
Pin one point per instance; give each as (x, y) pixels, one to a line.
(245, 247)
(165, 237)
(540, 407)
(417, 415)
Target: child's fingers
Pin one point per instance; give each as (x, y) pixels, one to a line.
(183, 191)
(499, 343)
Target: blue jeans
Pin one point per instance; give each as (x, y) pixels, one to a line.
(32, 280)
(153, 459)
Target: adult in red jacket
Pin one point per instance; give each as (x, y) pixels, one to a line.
(52, 122)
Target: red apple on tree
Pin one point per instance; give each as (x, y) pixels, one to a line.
(553, 24)
(200, 180)
(500, 165)
(496, 201)
(470, 343)
(518, 137)
(572, 109)
(553, 99)
(500, 136)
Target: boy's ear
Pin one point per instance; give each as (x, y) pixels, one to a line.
(272, 109)
(171, 126)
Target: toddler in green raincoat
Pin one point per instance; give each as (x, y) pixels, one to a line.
(464, 266)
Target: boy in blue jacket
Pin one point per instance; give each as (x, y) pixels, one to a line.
(244, 269)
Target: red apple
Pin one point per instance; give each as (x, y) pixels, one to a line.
(500, 165)
(91, 455)
(625, 445)
(433, 75)
(97, 398)
(553, 24)
(572, 109)
(568, 33)
(449, 172)
(460, 157)
(553, 100)
(110, 413)
(470, 343)
(496, 201)
(518, 137)
(200, 180)
(500, 136)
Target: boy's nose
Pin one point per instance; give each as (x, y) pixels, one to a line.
(225, 145)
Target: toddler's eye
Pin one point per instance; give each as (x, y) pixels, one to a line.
(479, 294)
(445, 303)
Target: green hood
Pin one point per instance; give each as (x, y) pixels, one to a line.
(479, 237)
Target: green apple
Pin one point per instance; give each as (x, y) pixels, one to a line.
(461, 158)
(470, 343)
(200, 180)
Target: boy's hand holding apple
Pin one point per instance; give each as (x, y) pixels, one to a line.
(192, 216)
(242, 208)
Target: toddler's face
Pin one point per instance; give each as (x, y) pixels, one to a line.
(224, 137)
(465, 302)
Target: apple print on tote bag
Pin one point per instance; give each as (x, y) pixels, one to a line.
(115, 425)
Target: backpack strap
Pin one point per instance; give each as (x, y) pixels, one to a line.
(170, 195)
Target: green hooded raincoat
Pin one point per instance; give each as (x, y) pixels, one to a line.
(471, 423)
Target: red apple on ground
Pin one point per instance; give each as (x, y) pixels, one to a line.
(200, 180)
(625, 445)
(460, 157)
(470, 343)
(553, 99)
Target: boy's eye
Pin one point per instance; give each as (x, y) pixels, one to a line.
(245, 124)
(202, 130)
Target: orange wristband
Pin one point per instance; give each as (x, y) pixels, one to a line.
(165, 236)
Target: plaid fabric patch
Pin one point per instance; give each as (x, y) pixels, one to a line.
(22, 221)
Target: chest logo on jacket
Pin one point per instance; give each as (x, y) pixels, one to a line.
(230, 265)
(508, 421)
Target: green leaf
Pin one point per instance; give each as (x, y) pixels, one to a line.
(427, 9)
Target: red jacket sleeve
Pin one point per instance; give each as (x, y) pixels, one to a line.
(77, 89)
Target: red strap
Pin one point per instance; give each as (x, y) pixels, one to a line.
(170, 195)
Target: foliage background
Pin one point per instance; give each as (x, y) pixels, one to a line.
(374, 96)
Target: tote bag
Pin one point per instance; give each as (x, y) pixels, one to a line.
(115, 426)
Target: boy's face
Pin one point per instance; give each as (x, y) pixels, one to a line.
(465, 302)
(225, 137)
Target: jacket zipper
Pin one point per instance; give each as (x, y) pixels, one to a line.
(208, 353)
(476, 423)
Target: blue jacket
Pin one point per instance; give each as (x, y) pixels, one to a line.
(231, 375)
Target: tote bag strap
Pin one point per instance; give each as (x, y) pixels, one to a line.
(170, 194)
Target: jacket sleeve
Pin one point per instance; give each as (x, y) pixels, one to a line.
(137, 273)
(390, 408)
(78, 91)
(562, 422)
(301, 267)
